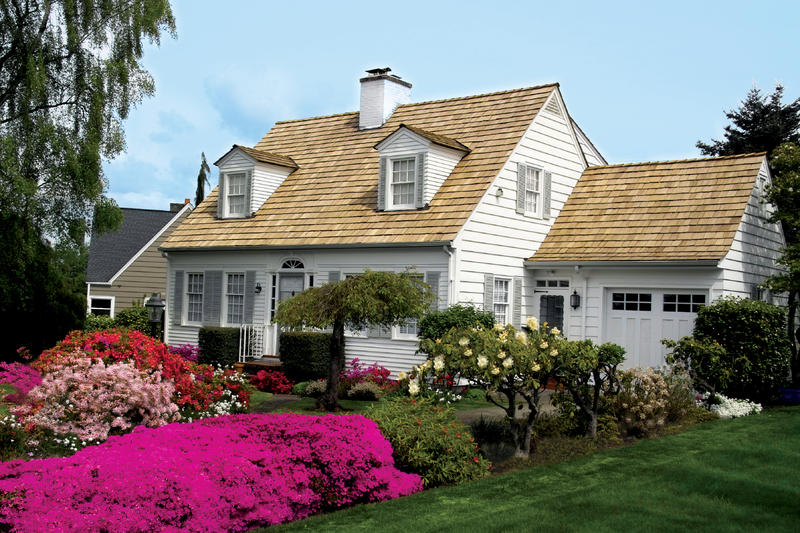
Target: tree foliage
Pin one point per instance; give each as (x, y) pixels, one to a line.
(202, 179)
(70, 72)
(382, 299)
(761, 124)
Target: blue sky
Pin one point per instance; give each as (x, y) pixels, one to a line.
(645, 80)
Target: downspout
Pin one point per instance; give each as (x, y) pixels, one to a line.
(585, 298)
(450, 275)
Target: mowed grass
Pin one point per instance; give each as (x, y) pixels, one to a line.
(738, 475)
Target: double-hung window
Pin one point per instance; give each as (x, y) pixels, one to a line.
(402, 192)
(236, 184)
(501, 297)
(532, 190)
(235, 299)
(194, 298)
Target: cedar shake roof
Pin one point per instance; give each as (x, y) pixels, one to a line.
(264, 157)
(331, 199)
(433, 137)
(662, 211)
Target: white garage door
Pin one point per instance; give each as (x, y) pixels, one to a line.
(637, 319)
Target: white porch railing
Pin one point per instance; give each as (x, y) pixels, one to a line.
(252, 339)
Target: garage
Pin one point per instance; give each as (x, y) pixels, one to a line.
(637, 319)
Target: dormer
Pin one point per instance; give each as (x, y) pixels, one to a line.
(247, 178)
(414, 163)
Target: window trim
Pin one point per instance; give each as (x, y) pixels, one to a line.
(389, 196)
(185, 318)
(224, 319)
(90, 308)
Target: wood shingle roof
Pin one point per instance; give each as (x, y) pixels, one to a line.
(661, 211)
(331, 199)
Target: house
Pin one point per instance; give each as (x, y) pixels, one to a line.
(466, 190)
(125, 265)
(644, 245)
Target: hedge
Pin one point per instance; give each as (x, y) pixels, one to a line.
(219, 346)
(305, 355)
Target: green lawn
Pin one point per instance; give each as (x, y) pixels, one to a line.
(259, 397)
(726, 476)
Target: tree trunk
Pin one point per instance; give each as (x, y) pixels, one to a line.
(330, 400)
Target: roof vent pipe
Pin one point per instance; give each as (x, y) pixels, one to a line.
(381, 93)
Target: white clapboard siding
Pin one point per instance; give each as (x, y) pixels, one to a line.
(404, 144)
(396, 355)
(439, 163)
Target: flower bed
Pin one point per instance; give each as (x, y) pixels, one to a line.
(226, 474)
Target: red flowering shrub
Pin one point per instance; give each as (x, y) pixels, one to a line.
(197, 386)
(272, 381)
(356, 372)
(227, 474)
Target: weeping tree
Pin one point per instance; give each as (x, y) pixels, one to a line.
(202, 179)
(368, 300)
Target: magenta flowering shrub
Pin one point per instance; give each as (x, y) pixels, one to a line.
(22, 377)
(227, 474)
(89, 399)
(189, 352)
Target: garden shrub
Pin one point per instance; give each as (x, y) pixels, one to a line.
(430, 441)
(356, 372)
(22, 377)
(189, 352)
(221, 475)
(218, 346)
(315, 389)
(728, 407)
(436, 323)
(365, 391)
(95, 323)
(640, 403)
(86, 398)
(758, 348)
(305, 355)
(490, 431)
(272, 381)
(300, 388)
(134, 318)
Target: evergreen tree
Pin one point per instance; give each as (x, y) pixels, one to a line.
(202, 179)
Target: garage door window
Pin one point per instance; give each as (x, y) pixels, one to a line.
(631, 301)
(683, 303)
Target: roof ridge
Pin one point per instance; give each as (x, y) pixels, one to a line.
(154, 210)
(736, 156)
(554, 84)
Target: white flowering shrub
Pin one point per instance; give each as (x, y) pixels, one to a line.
(640, 404)
(365, 391)
(728, 407)
(315, 389)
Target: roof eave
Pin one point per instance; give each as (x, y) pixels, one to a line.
(622, 264)
(257, 248)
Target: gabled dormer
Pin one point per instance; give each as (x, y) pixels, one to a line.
(247, 178)
(414, 163)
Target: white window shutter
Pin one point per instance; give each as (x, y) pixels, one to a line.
(548, 182)
(177, 298)
(221, 196)
(488, 292)
(248, 194)
(420, 185)
(212, 298)
(516, 312)
(521, 188)
(382, 185)
(249, 295)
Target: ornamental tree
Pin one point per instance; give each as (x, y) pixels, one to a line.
(368, 300)
(503, 360)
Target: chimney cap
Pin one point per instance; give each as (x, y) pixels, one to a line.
(379, 71)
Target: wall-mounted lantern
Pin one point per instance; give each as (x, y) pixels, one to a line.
(258, 288)
(575, 300)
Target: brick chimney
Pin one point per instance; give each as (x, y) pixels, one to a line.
(381, 93)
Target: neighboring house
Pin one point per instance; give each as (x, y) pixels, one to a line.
(464, 189)
(646, 244)
(125, 265)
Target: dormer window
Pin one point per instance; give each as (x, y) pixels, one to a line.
(236, 188)
(403, 183)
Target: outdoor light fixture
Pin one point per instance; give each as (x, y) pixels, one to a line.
(258, 288)
(575, 300)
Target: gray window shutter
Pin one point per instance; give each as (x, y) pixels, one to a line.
(488, 292)
(382, 185)
(432, 279)
(249, 295)
(248, 194)
(212, 298)
(334, 276)
(221, 197)
(521, 188)
(754, 291)
(516, 312)
(548, 181)
(177, 298)
(420, 180)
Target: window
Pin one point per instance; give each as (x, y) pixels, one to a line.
(402, 189)
(235, 298)
(532, 189)
(236, 184)
(551, 311)
(501, 300)
(101, 306)
(194, 296)
(631, 301)
(683, 303)
(553, 283)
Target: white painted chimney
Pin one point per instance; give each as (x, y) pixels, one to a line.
(381, 93)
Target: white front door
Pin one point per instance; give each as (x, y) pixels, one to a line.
(638, 319)
(291, 284)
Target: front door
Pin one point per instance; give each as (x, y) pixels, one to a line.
(291, 284)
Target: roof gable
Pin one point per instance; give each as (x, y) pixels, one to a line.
(258, 155)
(441, 140)
(332, 198)
(661, 211)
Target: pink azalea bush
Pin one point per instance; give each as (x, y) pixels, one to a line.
(90, 399)
(22, 377)
(227, 474)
